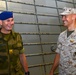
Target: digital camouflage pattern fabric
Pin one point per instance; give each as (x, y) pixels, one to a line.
(10, 47)
(67, 50)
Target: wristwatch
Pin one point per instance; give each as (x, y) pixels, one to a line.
(27, 73)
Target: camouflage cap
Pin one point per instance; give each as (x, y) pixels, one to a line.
(68, 11)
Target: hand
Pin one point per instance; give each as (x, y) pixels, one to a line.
(51, 73)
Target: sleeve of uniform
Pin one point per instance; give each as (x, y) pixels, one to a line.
(22, 50)
(58, 46)
(20, 44)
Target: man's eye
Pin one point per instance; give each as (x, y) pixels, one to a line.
(8, 20)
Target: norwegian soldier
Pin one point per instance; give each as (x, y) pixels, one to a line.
(12, 57)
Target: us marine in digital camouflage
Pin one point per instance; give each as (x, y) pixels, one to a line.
(66, 45)
(12, 57)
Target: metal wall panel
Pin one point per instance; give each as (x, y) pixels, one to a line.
(31, 38)
(24, 1)
(64, 4)
(46, 2)
(48, 20)
(74, 1)
(47, 11)
(67, 0)
(49, 38)
(34, 49)
(2, 5)
(48, 29)
(17, 7)
(25, 28)
(21, 18)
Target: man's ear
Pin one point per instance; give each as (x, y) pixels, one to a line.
(0, 22)
(74, 16)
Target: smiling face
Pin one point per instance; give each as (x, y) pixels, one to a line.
(67, 20)
(7, 25)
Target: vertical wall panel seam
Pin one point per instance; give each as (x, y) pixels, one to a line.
(39, 36)
(6, 5)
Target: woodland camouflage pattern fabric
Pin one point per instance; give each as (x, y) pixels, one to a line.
(67, 50)
(10, 47)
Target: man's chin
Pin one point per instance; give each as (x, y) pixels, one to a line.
(9, 29)
(65, 25)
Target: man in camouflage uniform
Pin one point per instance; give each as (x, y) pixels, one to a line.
(12, 57)
(66, 45)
